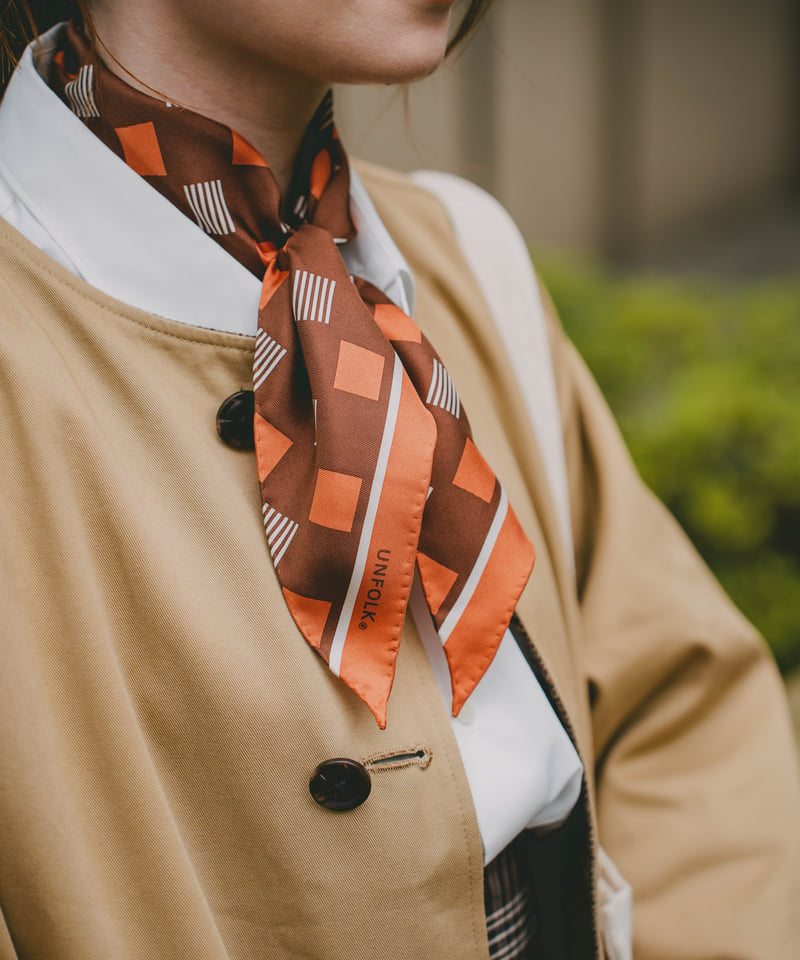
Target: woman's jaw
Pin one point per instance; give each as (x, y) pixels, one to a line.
(326, 41)
(261, 66)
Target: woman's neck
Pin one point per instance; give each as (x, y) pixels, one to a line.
(270, 107)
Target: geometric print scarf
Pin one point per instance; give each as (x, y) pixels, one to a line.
(365, 457)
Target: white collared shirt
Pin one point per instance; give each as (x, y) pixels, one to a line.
(59, 186)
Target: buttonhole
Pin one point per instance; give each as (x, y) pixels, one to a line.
(416, 756)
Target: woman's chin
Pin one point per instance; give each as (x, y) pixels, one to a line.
(393, 67)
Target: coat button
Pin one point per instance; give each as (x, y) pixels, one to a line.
(340, 784)
(235, 420)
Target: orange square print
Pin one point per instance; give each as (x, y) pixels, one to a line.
(335, 500)
(244, 154)
(271, 445)
(358, 371)
(309, 614)
(437, 581)
(141, 149)
(395, 324)
(474, 474)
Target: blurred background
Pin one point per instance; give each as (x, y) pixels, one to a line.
(650, 153)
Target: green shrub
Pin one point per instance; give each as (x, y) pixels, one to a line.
(705, 383)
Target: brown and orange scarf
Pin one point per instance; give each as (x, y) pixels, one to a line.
(365, 457)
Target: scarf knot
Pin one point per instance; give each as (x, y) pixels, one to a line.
(368, 470)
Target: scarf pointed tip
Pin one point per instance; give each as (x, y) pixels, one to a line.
(378, 707)
(378, 710)
(374, 696)
(466, 677)
(459, 699)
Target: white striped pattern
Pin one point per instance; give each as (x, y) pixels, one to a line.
(301, 207)
(209, 207)
(312, 297)
(441, 392)
(268, 355)
(280, 532)
(509, 928)
(327, 118)
(508, 899)
(80, 94)
(476, 573)
(337, 646)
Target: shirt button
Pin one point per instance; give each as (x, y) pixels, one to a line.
(340, 784)
(235, 420)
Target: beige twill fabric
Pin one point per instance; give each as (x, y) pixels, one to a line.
(159, 722)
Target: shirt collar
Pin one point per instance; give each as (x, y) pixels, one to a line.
(127, 240)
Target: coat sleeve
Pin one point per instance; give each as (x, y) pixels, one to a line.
(7, 951)
(696, 767)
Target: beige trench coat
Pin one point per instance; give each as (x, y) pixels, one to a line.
(160, 715)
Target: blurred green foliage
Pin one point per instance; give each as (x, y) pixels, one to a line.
(705, 383)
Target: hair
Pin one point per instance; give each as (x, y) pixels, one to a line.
(476, 11)
(22, 20)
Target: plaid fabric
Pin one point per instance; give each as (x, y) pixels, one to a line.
(508, 898)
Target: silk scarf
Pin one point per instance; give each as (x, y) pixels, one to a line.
(365, 458)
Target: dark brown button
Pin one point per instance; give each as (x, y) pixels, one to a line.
(340, 784)
(235, 420)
